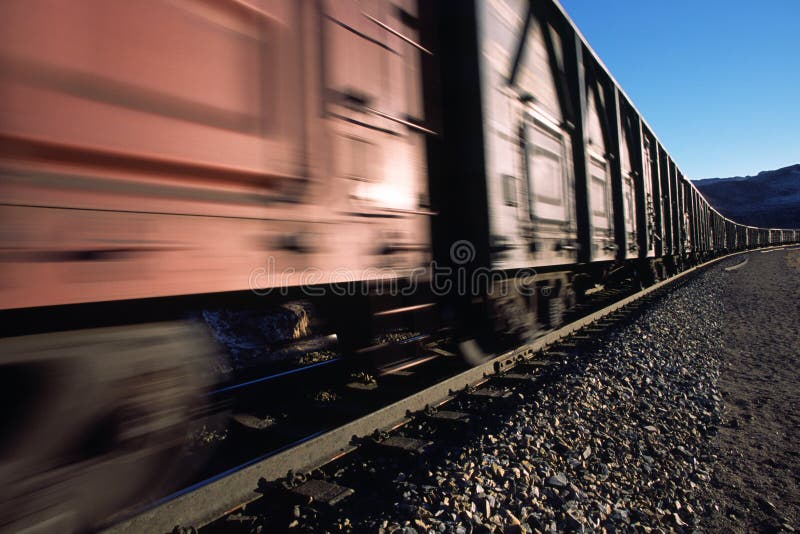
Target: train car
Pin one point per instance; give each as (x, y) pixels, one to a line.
(689, 230)
(718, 232)
(717, 238)
(667, 192)
(122, 180)
(702, 219)
(654, 215)
(650, 215)
(702, 228)
(741, 237)
(720, 237)
(731, 235)
(679, 224)
(519, 172)
(698, 227)
(633, 186)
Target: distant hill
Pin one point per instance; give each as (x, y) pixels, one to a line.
(770, 198)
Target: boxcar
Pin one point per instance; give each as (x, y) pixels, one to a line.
(207, 147)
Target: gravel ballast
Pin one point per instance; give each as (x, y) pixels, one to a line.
(621, 436)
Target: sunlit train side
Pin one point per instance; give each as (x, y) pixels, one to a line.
(172, 148)
(548, 165)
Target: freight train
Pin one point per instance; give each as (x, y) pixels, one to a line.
(165, 156)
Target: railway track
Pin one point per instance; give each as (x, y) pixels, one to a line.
(370, 417)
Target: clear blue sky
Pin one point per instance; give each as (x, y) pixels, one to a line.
(717, 80)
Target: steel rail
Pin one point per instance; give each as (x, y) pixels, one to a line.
(274, 376)
(738, 265)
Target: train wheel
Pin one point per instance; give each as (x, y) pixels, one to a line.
(479, 340)
(555, 312)
(570, 298)
(115, 407)
(504, 321)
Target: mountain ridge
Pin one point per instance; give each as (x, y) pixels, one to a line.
(769, 199)
(795, 168)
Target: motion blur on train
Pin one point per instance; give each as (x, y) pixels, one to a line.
(171, 170)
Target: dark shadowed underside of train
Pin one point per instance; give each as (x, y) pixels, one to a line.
(162, 158)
